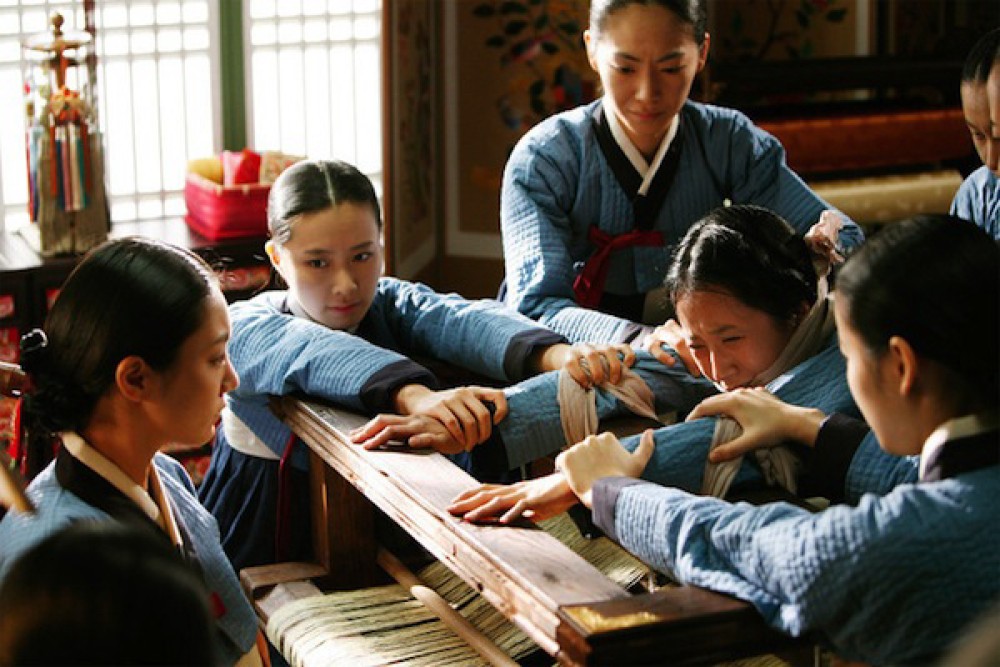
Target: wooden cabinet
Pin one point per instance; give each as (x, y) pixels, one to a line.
(30, 283)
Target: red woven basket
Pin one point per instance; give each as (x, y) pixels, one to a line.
(218, 212)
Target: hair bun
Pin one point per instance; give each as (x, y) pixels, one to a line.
(34, 348)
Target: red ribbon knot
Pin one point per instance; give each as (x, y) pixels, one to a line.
(589, 285)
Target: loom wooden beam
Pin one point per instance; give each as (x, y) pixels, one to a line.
(270, 587)
(523, 571)
(684, 625)
(563, 603)
(343, 528)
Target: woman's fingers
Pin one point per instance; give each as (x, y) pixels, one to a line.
(579, 373)
(733, 449)
(644, 452)
(390, 431)
(443, 413)
(612, 361)
(539, 498)
(661, 355)
(439, 442)
(595, 365)
(720, 404)
(476, 420)
(739, 404)
(490, 501)
(585, 365)
(462, 500)
(491, 507)
(416, 431)
(496, 397)
(377, 440)
(499, 401)
(671, 334)
(474, 411)
(519, 509)
(370, 428)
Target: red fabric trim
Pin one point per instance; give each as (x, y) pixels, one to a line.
(589, 285)
(283, 522)
(217, 605)
(17, 442)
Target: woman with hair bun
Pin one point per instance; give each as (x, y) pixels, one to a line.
(132, 358)
(752, 313)
(898, 577)
(345, 333)
(594, 199)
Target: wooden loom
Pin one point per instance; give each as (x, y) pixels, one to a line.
(571, 610)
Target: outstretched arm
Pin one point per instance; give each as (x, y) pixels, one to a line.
(847, 573)
(479, 335)
(276, 353)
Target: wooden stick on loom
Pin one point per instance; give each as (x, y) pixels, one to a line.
(437, 604)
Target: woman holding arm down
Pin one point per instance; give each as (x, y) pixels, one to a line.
(896, 578)
(594, 199)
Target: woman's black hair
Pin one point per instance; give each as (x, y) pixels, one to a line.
(982, 58)
(105, 593)
(692, 12)
(933, 280)
(748, 252)
(127, 297)
(316, 185)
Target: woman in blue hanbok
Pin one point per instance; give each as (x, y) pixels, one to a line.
(753, 313)
(594, 199)
(896, 578)
(343, 332)
(132, 359)
(978, 198)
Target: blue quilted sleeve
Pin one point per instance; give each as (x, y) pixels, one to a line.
(540, 182)
(849, 575)
(762, 176)
(275, 353)
(480, 335)
(874, 470)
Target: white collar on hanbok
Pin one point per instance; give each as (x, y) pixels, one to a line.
(955, 429)
(647, 171)
(155, 505)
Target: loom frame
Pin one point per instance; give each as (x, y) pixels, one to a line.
(569, 608)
